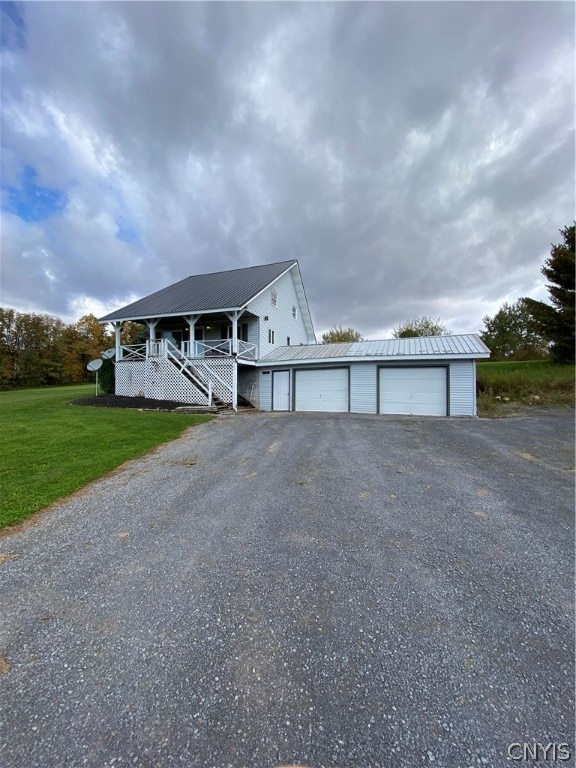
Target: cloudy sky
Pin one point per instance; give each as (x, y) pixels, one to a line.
(416, 158)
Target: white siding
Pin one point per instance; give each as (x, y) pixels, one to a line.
(363, 388)
(265, 390)
(280, 318)
(253, 330)
(463, 388)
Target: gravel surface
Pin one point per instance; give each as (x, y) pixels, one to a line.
(321, 589)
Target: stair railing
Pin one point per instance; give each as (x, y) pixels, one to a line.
(172, 352)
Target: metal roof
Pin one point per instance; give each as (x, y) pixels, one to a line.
(231, 289)
(423, 347)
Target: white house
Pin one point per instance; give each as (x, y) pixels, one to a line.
(247, 333)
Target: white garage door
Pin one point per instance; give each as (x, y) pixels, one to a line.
(323, 390)
(415, 391)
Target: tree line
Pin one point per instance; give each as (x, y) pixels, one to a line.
(42, 350)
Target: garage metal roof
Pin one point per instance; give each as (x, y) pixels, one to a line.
(231, 289)
(423, 347)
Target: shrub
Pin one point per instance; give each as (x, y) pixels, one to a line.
(107, 378)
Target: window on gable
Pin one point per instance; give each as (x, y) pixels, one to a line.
(270, 336)
(274, 298)
(294, 313)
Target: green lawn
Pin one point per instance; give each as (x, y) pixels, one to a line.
(535, 382)
(49, 449)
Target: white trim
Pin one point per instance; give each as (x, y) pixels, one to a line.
(366, 359)
(186, 313)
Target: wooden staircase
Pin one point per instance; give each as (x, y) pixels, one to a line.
(202, 377)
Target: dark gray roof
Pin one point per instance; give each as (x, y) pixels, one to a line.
(232, 289)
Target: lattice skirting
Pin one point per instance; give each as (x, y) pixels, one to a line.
(156, 378)
(220, 372)
(131, 378)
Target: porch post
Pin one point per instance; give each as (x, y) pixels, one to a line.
(235, 383)
(233, 317)
(117, 340)
(151, 336)
(152, 328)
(192, 324)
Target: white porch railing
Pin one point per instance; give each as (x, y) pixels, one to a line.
(247, 350)
(218, 347)
(133, 352)
(191, 349)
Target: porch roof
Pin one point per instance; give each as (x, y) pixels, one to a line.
(229, 290)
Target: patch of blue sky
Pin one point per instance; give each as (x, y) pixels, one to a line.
(127, 229)
(127, 232)
(30, 201)
(12, 25)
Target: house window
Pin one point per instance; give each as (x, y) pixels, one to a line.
(274, 298)
(270, 336)
(287, 341)
(294, 313)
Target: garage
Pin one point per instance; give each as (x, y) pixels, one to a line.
(415, 391)
(423, 376)
(322, 390)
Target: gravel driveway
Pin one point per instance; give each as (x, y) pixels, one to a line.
(330, 590)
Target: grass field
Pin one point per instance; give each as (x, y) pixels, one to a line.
(49, 449)
(537, 382)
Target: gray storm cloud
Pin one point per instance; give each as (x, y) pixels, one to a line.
(417, 158)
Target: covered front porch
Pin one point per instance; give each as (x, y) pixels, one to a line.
(192, 358)
(213, 335)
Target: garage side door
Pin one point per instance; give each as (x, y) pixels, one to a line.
(323, 390)
(415, 391)
(281, 391)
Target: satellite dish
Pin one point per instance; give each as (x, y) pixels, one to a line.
(94, 365)
(110, 353)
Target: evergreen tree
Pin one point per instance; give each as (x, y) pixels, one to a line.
(556, 321)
